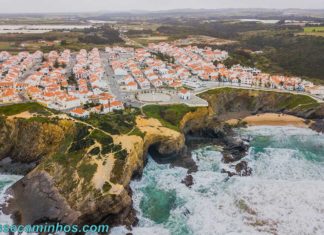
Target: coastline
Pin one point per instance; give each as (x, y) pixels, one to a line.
(271, 119)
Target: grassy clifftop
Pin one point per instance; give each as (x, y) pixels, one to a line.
(169, 115)
(24, 107)
(234, 103)
(86, 165)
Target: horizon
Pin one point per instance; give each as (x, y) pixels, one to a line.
(97, 6)
(143, 11)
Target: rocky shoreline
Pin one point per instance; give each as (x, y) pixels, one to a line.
(65, 198)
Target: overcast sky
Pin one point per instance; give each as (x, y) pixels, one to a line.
(13, 6)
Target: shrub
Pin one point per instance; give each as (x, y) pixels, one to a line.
(95, 151)
(87, 171)
(106, 187)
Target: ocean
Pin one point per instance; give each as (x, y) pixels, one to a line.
(5, 182)
(284, 194)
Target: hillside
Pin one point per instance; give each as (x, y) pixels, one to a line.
(84, 167)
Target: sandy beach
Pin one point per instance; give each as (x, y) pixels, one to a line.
(272, 119)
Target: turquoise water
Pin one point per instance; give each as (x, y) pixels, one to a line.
(285, 194)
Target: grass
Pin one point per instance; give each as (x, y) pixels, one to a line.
(115, 123)
(137, 132)
(282, 100)
(20, 108)
(87, 171)
(101, 137)
(318, 34)
(169, 115)
(117, 171)
(314, 29)
(299, 100)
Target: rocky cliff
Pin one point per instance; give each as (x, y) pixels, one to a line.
(230, 103)
(83, 173)
(27, 141)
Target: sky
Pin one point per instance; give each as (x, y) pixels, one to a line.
(34, 6)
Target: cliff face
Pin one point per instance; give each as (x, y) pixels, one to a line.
(227, 103)
(84, 174)
(26, 141)
(230, 103)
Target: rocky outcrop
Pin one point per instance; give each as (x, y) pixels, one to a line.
(188, 181)
(37, 200)
(25, 141)
(60, 183)
(230, 103)
(80, 187)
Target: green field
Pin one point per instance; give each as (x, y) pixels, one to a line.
(314, 29)
(169, 115)
(14, 109)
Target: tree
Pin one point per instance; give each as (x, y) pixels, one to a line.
(56, 64)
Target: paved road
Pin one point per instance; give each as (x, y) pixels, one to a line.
(127, 97)
(29, 72)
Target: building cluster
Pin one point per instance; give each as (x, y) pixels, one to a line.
(163, 65)
(12, 69)
(58, 81)
(166, 65)
(141, 69)
(201, 64)
(72, 81)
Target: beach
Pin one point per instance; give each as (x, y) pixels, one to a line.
(271, 119)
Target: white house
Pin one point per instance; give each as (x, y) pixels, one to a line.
(131, 86)
(79, 113)
(184, 94)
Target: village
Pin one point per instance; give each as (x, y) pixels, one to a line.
(103, 81)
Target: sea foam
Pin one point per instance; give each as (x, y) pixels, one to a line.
(285, 194)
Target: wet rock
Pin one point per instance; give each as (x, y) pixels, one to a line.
(318, 125)
(228, 158)
(234, 150)
(229, 173)
(187, 212)
(188, 181)
(7, 166)
(243, 169)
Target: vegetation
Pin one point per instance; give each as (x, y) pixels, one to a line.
(101, 35)
(105, 140)
(316, 29)
(169, 115)
(164, 57)
(24, 107)
(137, 132)
(117, 171)
(59, 40)
(106, 187)
(118, 122)
(87, 171)
(95, 151)
(283, 100)
(284, 47)
(285, 53)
